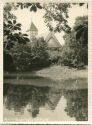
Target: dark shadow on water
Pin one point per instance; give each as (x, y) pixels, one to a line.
(17, 97)
(77, 104)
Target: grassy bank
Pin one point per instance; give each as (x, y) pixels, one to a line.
(57, 76)
(62, 73)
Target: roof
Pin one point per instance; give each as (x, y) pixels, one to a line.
(33, 27)
(55, 43)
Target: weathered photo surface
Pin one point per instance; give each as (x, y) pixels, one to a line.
(45, 61)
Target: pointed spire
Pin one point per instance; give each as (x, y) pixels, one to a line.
(33, 27)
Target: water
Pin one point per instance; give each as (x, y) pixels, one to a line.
(44, 103)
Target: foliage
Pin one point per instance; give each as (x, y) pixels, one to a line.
(30, 58)
(75, 51)
(21, 56)
(7, 12)
(31, 6)
(81, 29)
(12, 35)
(67, 56)
(57, 12)
(8, 61)
(12, 29)
(40, 53)
(54, 56)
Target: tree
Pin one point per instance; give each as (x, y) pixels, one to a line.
(58, 13)
(40, 54)
(77, 44)
(12, 35)
(30, 57)
(31, 6)
(12, 29)
(81, 31)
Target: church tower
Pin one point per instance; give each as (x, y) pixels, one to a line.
(33, 31)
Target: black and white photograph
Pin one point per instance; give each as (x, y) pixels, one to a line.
(45, 61)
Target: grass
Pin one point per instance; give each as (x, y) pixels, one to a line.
(57, 76)
(62, 72)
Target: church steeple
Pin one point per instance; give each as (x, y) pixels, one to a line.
(33, 27)
(33, 31)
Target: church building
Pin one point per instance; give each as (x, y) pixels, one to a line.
(51, 39)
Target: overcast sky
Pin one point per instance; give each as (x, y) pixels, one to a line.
(25, 17)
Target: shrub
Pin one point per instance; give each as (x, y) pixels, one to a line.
(31, 57)
(67, 55)
(40, 54)
(8, 61)
(76, 43)
(55, 56)
(21, 56)
(71, 58)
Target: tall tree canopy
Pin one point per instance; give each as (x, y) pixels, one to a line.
(77, 42)
(81, 29)
(30, 6)
(57, 13)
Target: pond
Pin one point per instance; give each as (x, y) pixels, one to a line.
(37, 102)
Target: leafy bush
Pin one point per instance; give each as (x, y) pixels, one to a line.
(55, 56)
(40, 54)
(71, 56)
(31, 57)
(21, 56)
(75, 51)
(8, 61)
(67, 56)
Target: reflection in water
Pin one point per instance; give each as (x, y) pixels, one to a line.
(19, 97)
(77, 104)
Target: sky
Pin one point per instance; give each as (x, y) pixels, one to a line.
(25, 17)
